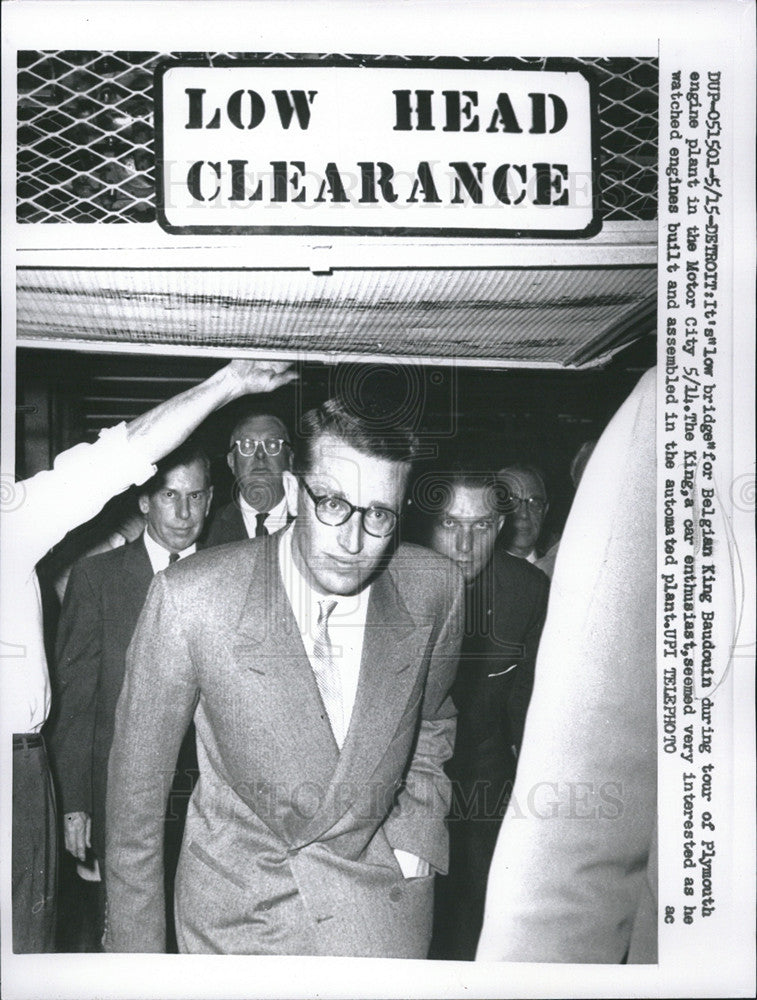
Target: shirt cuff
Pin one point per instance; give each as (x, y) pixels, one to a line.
(412, 866)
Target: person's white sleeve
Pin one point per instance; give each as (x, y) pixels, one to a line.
(82, 480)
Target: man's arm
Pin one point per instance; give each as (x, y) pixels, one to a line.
(78, 654)
(416, 824)
(163, 428)
(154, 710)
(523, 679)
(86, 476)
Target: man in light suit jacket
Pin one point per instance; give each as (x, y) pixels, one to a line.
(260, 451)
(317, 664)
(103, 601)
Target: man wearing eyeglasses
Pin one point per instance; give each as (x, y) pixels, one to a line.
(259, 453)
(104, 598)
(526, 505)
(319, 661)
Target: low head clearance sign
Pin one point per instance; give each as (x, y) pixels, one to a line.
(392, 148)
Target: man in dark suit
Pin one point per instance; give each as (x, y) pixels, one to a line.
(103, 601)
(506, 601)
(526, 503)
(260, 451)
(55, 501)
(317, 663)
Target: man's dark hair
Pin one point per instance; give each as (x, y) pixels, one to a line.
(432, 492)
(369, 431)
(186, 454)
(470, 479)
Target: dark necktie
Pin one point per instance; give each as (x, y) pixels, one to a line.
(260, 528)
(172, 558)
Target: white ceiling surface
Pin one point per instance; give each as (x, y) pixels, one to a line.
(532, 317)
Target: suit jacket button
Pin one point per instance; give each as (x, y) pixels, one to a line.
(395, 894)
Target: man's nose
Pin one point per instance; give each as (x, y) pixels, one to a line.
(521, 509)
(183, 511)
(351, 533)
(464, 539)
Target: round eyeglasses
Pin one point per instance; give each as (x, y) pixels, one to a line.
(536, 504)
(271, 446)
(334, 510)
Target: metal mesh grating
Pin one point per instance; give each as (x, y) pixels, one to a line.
(85, 133)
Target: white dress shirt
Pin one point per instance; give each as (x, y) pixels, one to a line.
(346, 623)
(277, 517)
(531, 557)
(159, 557)
(36, 514)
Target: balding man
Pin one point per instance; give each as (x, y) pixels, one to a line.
(526, 505)
(260, 451)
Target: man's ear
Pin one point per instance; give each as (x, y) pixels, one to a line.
(291, 491)
(500, 522)
(230, 461)
(144, 503)
(210, 500)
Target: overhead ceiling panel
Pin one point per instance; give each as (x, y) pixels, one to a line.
(550, 317)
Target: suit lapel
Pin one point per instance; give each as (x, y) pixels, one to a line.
(136, 565)
(268, 643)
(234, 523)
(393, 650)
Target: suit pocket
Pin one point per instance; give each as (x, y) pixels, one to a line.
(210, 862)
(246, 657)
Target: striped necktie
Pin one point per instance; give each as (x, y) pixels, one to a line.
(327, 673)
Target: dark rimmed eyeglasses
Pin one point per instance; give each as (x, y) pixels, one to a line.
(248, 446)
(335, 510)
(536, 504)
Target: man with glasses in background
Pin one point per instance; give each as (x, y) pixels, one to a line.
(260, 451)
(526, 505)
(319, 662)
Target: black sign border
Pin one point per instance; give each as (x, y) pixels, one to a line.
(182, 60)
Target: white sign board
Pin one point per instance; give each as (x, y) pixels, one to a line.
(377, 147)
